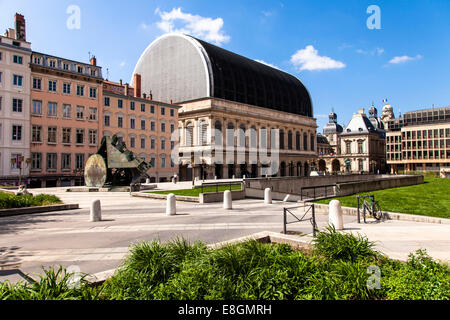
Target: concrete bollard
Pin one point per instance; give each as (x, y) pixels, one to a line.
(243, 177)
(147, 181)
(335, 215)
(227, 200)
(233, 177)
(96, 211)
(215, 177)
(171, 205)
(268, 196)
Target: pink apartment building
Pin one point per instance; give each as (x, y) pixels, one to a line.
(65, 108)
(145, 125)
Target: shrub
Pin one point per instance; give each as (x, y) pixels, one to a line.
(9, 201)
(343, 246)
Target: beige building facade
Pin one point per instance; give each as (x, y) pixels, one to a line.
(145, 125)
(419, 141)
(230, 139)
(15, 54)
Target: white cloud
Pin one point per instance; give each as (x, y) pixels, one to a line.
(403, 59)
(377, 51)
(309, 59)
(205, 28)
(144, 26)
(122, 64)
(267, 64)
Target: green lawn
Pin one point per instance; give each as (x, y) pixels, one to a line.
(10, 201)
(195, 192)
(429, 199)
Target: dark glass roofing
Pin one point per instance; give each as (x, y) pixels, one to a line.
(240, 79)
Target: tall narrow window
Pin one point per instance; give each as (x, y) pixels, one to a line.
(189, 134)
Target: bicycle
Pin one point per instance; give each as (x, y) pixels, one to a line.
(373, 208)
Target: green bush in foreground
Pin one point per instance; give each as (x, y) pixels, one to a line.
(254, 270)
(9, 201)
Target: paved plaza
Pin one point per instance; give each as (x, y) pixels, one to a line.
(68, 238)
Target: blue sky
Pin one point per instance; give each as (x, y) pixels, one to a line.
(326, 44)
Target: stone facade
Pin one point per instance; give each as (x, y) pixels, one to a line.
(203, 125)
(357, 148)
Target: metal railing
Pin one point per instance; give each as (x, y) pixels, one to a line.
(218, 184)
(309, 208)
(324, 188)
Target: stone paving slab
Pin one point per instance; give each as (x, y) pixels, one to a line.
(68, 238)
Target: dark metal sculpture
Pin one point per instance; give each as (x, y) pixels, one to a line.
(114, 165)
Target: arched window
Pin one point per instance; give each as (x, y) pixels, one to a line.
(313, 138)
(263, 138)
(218, 133)
(230, 134)
(290, 140)
(281, 139)
(297, 140)
(189, 134)
(305, 141)
(253, 138)
(241, 136)
(203, 132)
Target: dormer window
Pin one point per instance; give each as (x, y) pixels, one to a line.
(66, 66)
(80, 69)
(52, 64)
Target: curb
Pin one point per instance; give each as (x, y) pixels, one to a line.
(39, 209)
(349, 211)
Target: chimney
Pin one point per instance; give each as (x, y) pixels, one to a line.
(126, 89)
(93, 61)
(171, 101)
(19, 23)
(151, 96)
(137, 85)
(144, 95)
(120, 82)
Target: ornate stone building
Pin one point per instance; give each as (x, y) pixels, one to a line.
(359, 147)
(235, 111)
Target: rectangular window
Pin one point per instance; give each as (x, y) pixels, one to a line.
(17, 80)
(37, 60)
(80, 90)
(80, 136)
(51, 135)
(93, 114)
(16, 133)
(66, 66)
(152, 144)
(172, 128)
(107, 101)
(360, 147)
(79, 161)
(142, 107)
(120, 122)
(142, 143)
(36, 161)
(152, 109)
(163, 127)
(37, 83)
(51, 161)
(66, 161)
(52, 85)
(132, 142)
(66, 135)
(92, 137)
(172, 145)
(163, 111)
(172, 112)
(152, 125)
(18, 59)
(17, 105)
(120, 103)
(92, 93)
(163, 162)
(107, 121)
(142, 124)
(52, 109)
(66, 88)
(132, 123)
(163, 144)
(67, 111)
(36, 134)
(37, 107)
(80, 113)
(52, 64)
(80, 69)
(132, 105)
(348, 147)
